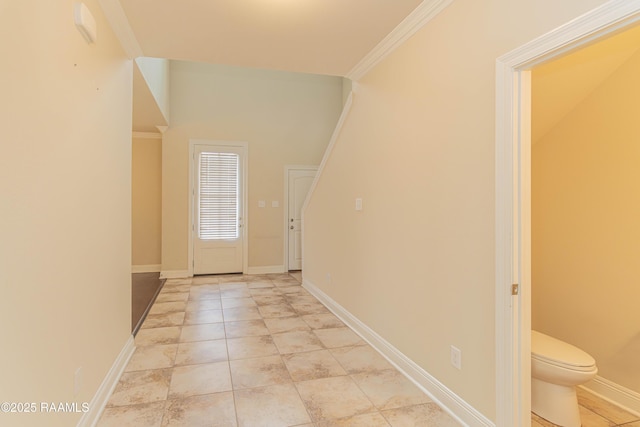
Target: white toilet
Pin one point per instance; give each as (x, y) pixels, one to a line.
(556, 369)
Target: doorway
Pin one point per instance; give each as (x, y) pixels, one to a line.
(513, 197)
(298, 181)
(218, 220)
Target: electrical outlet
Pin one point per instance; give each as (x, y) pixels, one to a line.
(328, 278)
(456, 357)
(77, 381)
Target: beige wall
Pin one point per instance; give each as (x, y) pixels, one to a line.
(417, 264)
(585, 233)
(286, 118)
(65, 228)
(146, 200)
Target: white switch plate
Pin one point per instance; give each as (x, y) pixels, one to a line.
(275, 204)
(262, 203)
(456, 357)
(358, 204)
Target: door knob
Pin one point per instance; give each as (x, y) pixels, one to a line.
(291, 227)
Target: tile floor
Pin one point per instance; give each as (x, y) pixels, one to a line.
(258, 351)
(595, 412)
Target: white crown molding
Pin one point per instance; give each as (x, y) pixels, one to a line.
(417, 19)
(120, 25)
(146, 135)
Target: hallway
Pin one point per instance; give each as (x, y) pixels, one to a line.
(258, 351)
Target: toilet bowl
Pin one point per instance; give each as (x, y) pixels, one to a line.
(556, 369)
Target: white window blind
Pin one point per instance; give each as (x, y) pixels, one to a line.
(218, 198)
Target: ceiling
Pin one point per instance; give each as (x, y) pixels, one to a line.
(311, 36)
(557, 87)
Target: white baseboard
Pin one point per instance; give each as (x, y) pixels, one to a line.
(438, 392)
(620, 396)
(151, 268)
(267, 269)
(100, 399)
(174, 274)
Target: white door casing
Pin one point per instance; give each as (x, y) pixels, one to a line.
(513, 197)
(218, 220)
(289, 245)
(299, 183)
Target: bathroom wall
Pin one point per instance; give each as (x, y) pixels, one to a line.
(586, 226)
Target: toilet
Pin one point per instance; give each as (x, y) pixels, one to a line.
(556, 369)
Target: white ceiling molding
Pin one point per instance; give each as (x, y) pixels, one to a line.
(427, 10)
(120, 26)
(146, 135)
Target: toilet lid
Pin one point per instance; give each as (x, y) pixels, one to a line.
(556, 352)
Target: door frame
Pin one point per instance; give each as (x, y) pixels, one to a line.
(513, 196)
(287, 169)
(244, 146)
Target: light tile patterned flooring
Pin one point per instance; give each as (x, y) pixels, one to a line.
(595, 412)
(258, 351)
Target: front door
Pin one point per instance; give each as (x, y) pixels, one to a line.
(218, 209)
(299, 184)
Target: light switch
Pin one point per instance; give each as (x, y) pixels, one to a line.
(275, 204)
(262, 203)
(358, 204)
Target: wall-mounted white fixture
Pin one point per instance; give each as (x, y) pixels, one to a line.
(85, 22)
(358, 204)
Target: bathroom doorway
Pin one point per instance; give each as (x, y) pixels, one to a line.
(513, 196)
(584, 235)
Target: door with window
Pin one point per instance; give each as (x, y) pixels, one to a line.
(218, 226)
(299, 184)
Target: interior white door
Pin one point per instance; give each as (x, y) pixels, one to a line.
(299, 184)
(218, 209)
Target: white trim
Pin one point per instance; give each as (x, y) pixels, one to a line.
(327, 153)
(146, 135)
(425, 12)
(513, 194)
(287, 169)
(616, 394)
(100, 399)
(122, 29)
(245, 195)
(150, 268)
(176, 274)
(325, 158)
(438, 392)
(267, 269)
